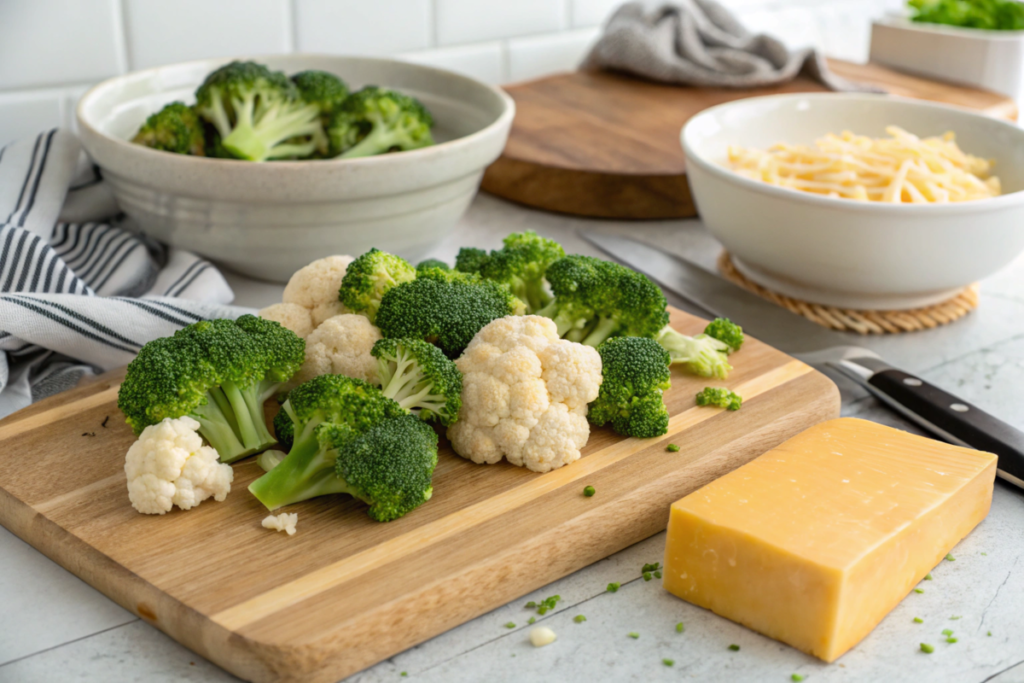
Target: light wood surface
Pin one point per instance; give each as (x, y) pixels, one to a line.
(606, 145)
(346, 592)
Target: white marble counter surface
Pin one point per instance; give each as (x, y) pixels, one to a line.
(54, 628)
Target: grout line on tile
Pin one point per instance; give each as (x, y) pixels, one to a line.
(124, 56)
(292, 19)
(432, 21)
(506, 61)
(73, 640)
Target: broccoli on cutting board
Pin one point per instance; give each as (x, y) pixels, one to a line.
(521, 264)
(420, 377)
(636, 375)
(369, 277)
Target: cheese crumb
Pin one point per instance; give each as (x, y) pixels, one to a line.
(541, 636)
(283, 522)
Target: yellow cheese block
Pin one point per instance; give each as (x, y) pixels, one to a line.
(814, 542)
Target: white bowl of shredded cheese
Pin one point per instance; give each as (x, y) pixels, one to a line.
(895, 214)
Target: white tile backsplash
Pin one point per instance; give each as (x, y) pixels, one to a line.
(161, 32)
(541, 55)
(482, 61)
(54, 42)
(51, 51)
(464, 21)
(340, 26)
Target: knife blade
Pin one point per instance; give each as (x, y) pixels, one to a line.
(937, 411)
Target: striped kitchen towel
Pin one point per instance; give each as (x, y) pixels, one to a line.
(80, 292)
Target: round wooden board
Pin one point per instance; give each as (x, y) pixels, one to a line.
(607, 146)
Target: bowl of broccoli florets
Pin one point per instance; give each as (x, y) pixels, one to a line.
(266, 164)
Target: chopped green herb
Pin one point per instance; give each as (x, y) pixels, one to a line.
(927, 649)
(657, 575)
(947, 631)
(955, 618)
(579, 618)
(510, 624)
(403, 674)
(734, 647)
(668, 662)
(918, 620)
(650, 567)
(950, 558)
(919, 590)
(545, 605)
(589, 491)
(531, 604)
(797, 677)
(984, 553)
(612, 587)
(989, 633)
(680, 628)
(672, 448)
(633, 634)
(928, 577)
(647, 576)
(950, 639)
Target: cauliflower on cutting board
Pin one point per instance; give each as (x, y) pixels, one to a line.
(341, 346)
(286, 522)
(169, 465)
(315, 288)
(525, 395)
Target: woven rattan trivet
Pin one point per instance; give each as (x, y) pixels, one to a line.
(864, 322)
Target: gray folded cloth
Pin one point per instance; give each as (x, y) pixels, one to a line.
(699, 42)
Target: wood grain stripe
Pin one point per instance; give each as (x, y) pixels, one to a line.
(344, 570)
(54, 415)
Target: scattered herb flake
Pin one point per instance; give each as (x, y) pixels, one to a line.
(510, 624)
(633, 634)
(531, 621)
(955, 618)
(989, 633)
(918, 620)
(680, 628)
(657, 575)
(985, 554)
(612, 587)
(531, 604)
(545, 605)
(406, 674)
(919, 590)
(672, 448)
(650, 567)
(928, 577)
(947, 631)
(927, 649)
(668, 662)
(950, 639)
(950, 558)
(647, 576)
(579, 618)
(797, 677)
(589, 491)
(734, 647)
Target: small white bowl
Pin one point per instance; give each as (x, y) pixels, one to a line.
(843, 252)
(269, 219)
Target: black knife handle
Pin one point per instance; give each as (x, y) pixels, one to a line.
(953, 419)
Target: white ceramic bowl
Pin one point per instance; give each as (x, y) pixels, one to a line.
(269, 219)
(842, 252)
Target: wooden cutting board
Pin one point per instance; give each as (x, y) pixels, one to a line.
(607, 146)
(346, 592)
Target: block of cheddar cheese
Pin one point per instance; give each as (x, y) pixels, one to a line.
(814, 542)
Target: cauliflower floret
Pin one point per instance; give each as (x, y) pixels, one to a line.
(293, 316)
(285, 521)
(341, 346)
(169, 465)
(525, 395)
(315, 288)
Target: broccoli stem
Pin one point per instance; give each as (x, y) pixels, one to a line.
(605, 328)
(307, 472)
(536, 296)
(382, 137)
(215, 426)
(260, 139)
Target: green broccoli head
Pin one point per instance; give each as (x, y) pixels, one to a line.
(521, 264)
(701, 355)
(445, 308)
(420, 377)
(369, 277)
(727, 332)
(258, 113)
(219, 372)
(719, 396)
(635, 373)
(597, 299)
(307, 471)
(321, 88)
(432, 263)
(471, 260)
(390, 467)
(374, 121)
(175, 128)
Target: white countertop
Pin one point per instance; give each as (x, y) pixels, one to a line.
(53, 627)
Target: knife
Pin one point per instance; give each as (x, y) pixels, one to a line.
(937, 411)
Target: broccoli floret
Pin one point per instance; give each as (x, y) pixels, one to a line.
(420, 377)
(258, 113)
(175, 128)
(374, 120)
(727, 332)
(432, 263)
(701, 354)
(390, 467)
(445, 308)
(323, 89)
(596, 299)
(636, 375)
(219, 372)
(351, 407)
(719, 396)
(369, 277)
(471, 260)
(520, 264)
